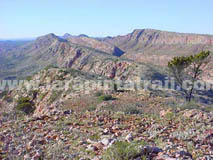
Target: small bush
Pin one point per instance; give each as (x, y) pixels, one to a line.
(50, 66)
(115, 87)
(105, 98)
(29, 78)
(91, 108)
(34, 92)
(190, 105)
(22, 100)
(132, 110)
(25, 105)
(122, 151)
(170, 115)
(98, 93)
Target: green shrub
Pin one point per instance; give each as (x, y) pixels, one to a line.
(91, 108)
(190, 105)
(22, 100)
(115, 87)
(33, 92)
(50, 66)
(122, 151)
(170, 115)
(25, 105)
(98, 93)
(127, 108)
(29, 78)
(105, 98)
(132, 110)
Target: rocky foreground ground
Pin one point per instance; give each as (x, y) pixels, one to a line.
(101, 125)
(101, 134)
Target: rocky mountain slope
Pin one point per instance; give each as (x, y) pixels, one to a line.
(149, 41)
(158, 47)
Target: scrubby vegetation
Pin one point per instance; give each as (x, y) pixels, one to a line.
(132, 110)
(105, 98)
(25, 105)
(50, 66)
(122, 150)
(98, 93)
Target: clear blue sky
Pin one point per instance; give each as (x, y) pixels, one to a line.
(32, 18)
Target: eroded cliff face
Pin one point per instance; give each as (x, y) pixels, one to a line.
(139, 39)
(99, 64)
(158, 47)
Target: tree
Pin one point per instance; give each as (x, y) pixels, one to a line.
(188, 68)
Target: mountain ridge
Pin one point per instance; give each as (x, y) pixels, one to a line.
(141, 46)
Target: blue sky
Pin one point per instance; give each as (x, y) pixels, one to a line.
(32, 18)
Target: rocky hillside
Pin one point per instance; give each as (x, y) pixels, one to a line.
(49, 123)
(158, 47)
(149, 41)
(104, 135)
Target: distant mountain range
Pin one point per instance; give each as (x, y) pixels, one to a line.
(109, 56)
